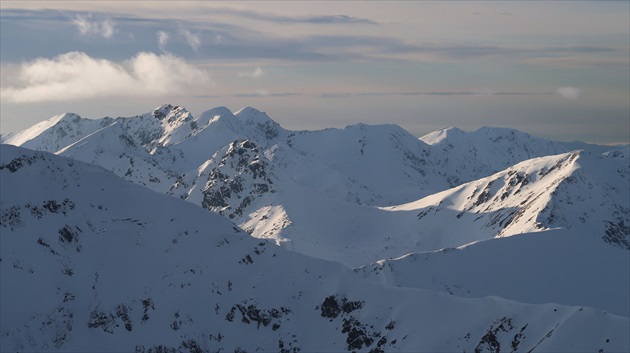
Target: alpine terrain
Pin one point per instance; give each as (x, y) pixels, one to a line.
(170, 232)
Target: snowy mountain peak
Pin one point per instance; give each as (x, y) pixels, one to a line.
(261, 121)
(438, 136)
(55, 133)
(19, 138)
(216, 112)
(213, 116)
(66, 117)
(498, 131)
(379, 130)
(169, 112)
(252, 115)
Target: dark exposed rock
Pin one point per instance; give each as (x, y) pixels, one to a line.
(250, 313)
(192, 346)
(489, 342)
(230, 188)
(518, 338)
(484, 196)
(246, 260)
(330, 308)
(123, 313)
(617, 230)
(68, 235)
(18, 163)
(156, 349)
(357, 334)
(103, 320)
(68, 297)
(11, 217)
(146, 305)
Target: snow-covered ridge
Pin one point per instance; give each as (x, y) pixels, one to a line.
(557, 266)
(55, 133)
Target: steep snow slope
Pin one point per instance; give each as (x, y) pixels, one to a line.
(92, 263)
(556, 266)
(572, 190)
(360, 163)
(487, 150)
(114, 149)
(55, 133)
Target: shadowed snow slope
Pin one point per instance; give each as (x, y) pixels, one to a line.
(556, 266)
(92, 263)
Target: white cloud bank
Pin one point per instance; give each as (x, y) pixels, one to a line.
(75, 76)
(88, 27)
(569, 92)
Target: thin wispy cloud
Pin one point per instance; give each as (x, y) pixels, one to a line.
(76, 76)
(257, 73)
(311, 19)
(334, 95)
(257, 93)
(239, 40)
(569, 92)
(162, 38)
(91, 27)
(266, 93)
(480, 93)
(193, 40)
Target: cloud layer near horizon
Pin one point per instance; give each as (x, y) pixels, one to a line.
(76, 76)
(569, 92)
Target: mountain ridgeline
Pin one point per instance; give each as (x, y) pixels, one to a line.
(169, 232)
(339, 194)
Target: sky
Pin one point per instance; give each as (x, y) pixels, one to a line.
(555, 69)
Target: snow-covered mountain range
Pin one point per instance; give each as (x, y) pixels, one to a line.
(353, 195)
(450, 218)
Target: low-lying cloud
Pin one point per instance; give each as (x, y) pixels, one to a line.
(569, 92)
(76, 75)
(310, 19)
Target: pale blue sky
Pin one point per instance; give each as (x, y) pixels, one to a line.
(558, 69)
